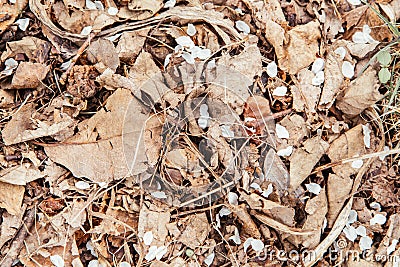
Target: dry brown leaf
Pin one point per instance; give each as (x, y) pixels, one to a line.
(9, 226)
(338, 188)
(103, 149)
(249, 227)
(115, 222)
(23, 127)
(257, 202)
(103, 54)
(9, 12)
(11, 197)
(75, 215)
(130, 44)
(156, 222)
(303, 160)
(333, 80)
(360, 94)
(296, 126)
(29, 75)
(28, 45)
(195, 230)
(393, 233)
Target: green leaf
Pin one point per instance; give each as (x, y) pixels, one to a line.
(384, 75)
(384, 57)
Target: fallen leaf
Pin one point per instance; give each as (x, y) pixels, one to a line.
(9, 12)
(103, 54)
(29, 75)
(130, 44)
(360, 94)
(11, 197)
(195, 230)
(154, 221)
(31, 46)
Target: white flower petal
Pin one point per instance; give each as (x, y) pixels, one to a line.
(378, 219)
(226, 131)
(170, 4)
(257, 245)
(341, 51)
(350, 233)
(13, 1)
(354, 2)
(392, 247)
(268, 192)
(94, 263)
(167, 60)
(375, 206)
(232, 198)
(191, 29)
(148, 238)
(236, 237)
(224, 212)
(359, 38)
(247, 243)
(285, 152)
(161, 251)
(361, 230)
(11, 63)
(99, 5)
(365, 243)
(242, 26)
(272, 69)
(82, 185)
(281, 131)
(356, 164)
(57, 260)
(280, 91)
(90, 247)
(86, 31)
(209, 259)
(352, 217)
(188, 58)
(151, 255)
(112, 11)
(319, 78)
(202, 122)
(66, 65)
(313, 188)
(124, 264)
(385, 149)
(114, 37)
(185, 41)
(90, 5)
(256, 187)
(367, 135)
(318, 65)
(23, 24)
(159, 194)
(347, 69)
(204, 53)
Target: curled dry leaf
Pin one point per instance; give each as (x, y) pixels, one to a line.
(29, 75)
(360, 94)
(11, 197)
(195, 230)
(103, 54)
(305, 95)
(9, 12)
(130, 44)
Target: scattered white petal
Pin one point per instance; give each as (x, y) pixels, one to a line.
(148, 238)
(375, 206)
(161, 251)
(167, 60)
(314, 188)
(392, 247)
(224, 212)
(350, 233)
(268, 192)
(151, 255)
(211, 64)
(356, 164)
(191, 29)
(11, 63)
(347, 69)
(363, 37)
(359, 38)
(361, 230)
(236, 237)
(232, 198)
(124, 264)
(13, 1)
(57, 260)
(367, 135)
(90, 5)
(256, 187)
(204, 53)
(99, 5)
(178, 48)
(209, 259)
(239, 11)
(354, 2)
(385, 149)
(318, 65)
(185, 41)
(170, 4)
(23, 24)
(226, 131)
(247, 243)
(257, 245)
(65, 65)
(378, 219)
(242, 26)
(112, 11)
(94, 263)
(202, 122)
(319, 78)
(281, 131)
(90, 247)
(272, 69)
(352, 217)
(249, 119)
(82, 185)
(365, 243)
(188, 58)
(285, 152)
(159, 194)
(280, 91)
(218, 220)
(86, 31)
(114, 37)
(102, 184)
(341, 51)
(204, 110)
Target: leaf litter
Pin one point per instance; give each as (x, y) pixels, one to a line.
(165, 134)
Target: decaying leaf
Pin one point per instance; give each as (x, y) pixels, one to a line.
(103, 54)
(9, 12)
(29, 75)
(28, 45)
(360, 94)
(130, 44)
(156, 222)
(11, 197)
